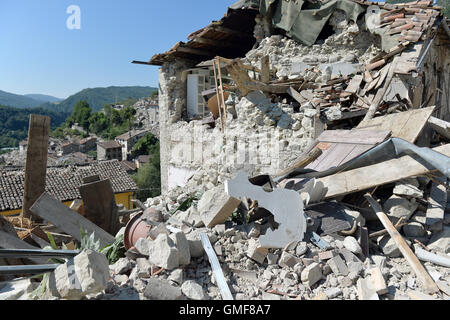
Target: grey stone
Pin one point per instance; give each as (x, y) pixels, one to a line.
(143, 267)
(333, 292)
(380, 261)
(15, 289)
(193, 290)
(142, 245)
(397, 207)
(352, 245)
(389, 247)
(216, 206)
(349, 256)
(87, 273)
(441, 241)
(177, 276)
(158, 289)
(414, 229)
(269, 296)
(182, 245)
(288, 260)
(195, 244)
(122, 266)
(338, 266)
(311, 274)
(121, 278)
(356, 267)
(163, 253)
(301, 249)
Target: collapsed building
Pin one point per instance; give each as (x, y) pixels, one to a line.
(341, 57)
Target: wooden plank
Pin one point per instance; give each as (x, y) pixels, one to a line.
(265, 69)
(100, 205)
(440, 126)
(375, 175)
(69, 221)
(405, 125)
(437, 203)
(9, 241)
(334, 158)
(36, 163)
(354, 136)
(421, 274)
(296, 96)
(359, 149)
(354, 84)
(378, 281)
(324, 160)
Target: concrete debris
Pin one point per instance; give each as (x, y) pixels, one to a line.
(158, 289)
(16, 289)
(216, 206)
(193, 290)
(83, 275)
(352, 245)
(163, 252)
(311, 274)
(122, 266)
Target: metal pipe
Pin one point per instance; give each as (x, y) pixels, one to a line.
(433, 258)
(27, 253)
(34, 269)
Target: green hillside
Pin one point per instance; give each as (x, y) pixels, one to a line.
(17, 101)
(43, 98)
(98, 97)
(14, 127)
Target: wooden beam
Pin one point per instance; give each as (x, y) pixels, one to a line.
(100, 205)
(69, 221)
(421, 274)
(233, 32)
(440, 126)
(196, 52)
(36, 163)
(216, 43)
(296, 95)
(365, 178)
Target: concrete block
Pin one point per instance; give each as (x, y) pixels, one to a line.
(389, 247)
(311, 274)
(193, 290)
(177, 276)
(182, 245)
(349, 256)
(158, 289)
(163, 253)
(338, 266)
(397, 207)
(441, 241)
(143, 267)
(333, 292)
(327, 255)
(256, 252)
(414, 230)
(86, 273)
(408, 190)
(216, 206)
(288, 260)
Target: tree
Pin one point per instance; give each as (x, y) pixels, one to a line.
(98, 123)
(81, 114)
(148, 178)
(143, 146)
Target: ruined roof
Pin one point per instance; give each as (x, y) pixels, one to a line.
(128, 165)
(232, 36)
(85, 140)
(109, 145)
(63, 182)
(131, 134)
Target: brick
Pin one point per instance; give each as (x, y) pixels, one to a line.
(327, 255)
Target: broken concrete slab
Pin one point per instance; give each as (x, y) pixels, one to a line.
(281, 203)
(193, 290)
(288, 260)
(408, 191)
(15, 289)
(158, 289)
(389, 247)
(216, 206)
(163, 253)
(414, 230)
(311, 274)
(378, 281)
(86, 273)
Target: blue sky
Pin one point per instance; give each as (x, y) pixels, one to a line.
(39, 54)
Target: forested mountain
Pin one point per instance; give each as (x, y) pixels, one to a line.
(14, 123)
(18, 101)
(43, 98)
(98, 97)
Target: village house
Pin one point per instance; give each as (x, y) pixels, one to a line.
(23, 147)
(315, 72)
(109, 150)
(87, 144)
(142, 161)
(64, 182)
(68, 148)
(129, 166)
(129, 139)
